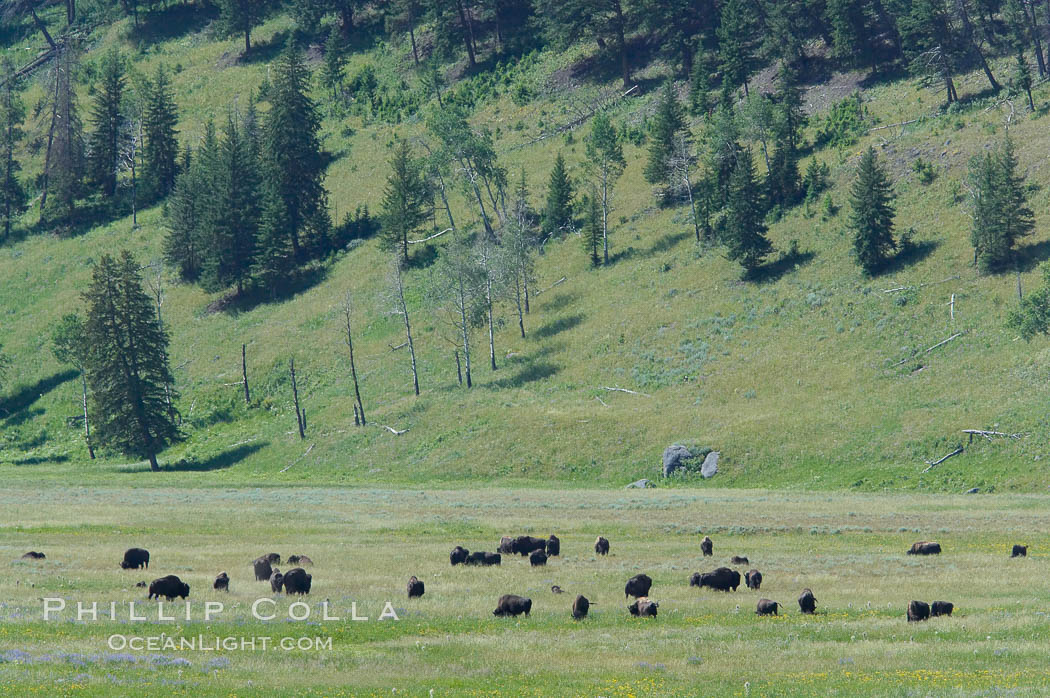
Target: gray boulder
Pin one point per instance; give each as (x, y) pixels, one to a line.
(640, 484)
(972, 490)
(675, 456)
(710, 466)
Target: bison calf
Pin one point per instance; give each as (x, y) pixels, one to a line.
(222, 582)
(458, 556)
(1019, 551)
(753, 579)
(299, 560)
(580, 607)
(644, 607)
(538, 558)
(169, 587)
(512, 605)
(766, 607)
(941, 608)
(638, 586)
(276, 581)
(707, 547)
(601, 546)
(33, 555)
(297, 581)
(557, 589)
(553, 546)
(739, 560)
(807, 603)
(918, 610)
(925, 548)
(415, 588)
(135, 558)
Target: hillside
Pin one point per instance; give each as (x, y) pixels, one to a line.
(811, 377)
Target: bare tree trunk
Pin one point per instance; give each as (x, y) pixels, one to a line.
(517, 300)
(403, 307)
(244, 374)
(525, 286)
(488, 302)
(459, 369)
(465, 329)
(153, 463)
(347, 311)
(50, 141)
(621, 39)
(468, 33)
(412, 36)
(692, 204)
(605, 216)
(1033, 25)
(71, 12)
(247, 40)
(300, 418)
(42, 27)
(87, 425)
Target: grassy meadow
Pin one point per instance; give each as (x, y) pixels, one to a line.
(849, 548)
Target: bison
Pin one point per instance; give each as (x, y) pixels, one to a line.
(222, 582)
(766, 607)
(925, 548)
(580, 607)
(506, 545)
(807, 603)
(484, 559)
(918, 610)
(458, 556)
(512, 605)
(601, 546)
(557, 589)
(299, 560)
(1019, 551)
(276, 581)
(34, 555)
(538, 558)
(415, 588)
(263, 569)
(273, 558)
(707, 547)
(753, 579)
(738, 560)
(135, 558)
(721, 579)
(638, 586)
(553, 546)
(297, 581)
(941, 608)
(169, 587)
(643, 607)
(524, 545)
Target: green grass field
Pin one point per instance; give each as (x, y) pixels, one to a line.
(849, 548)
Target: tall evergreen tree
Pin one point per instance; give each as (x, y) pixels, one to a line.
(242, 16)
(160, 150)
(333, 69)
(1001, 212)
(12, 113)
(871, 218)
(744, 228)
(274, 258)
(405, 201)
(105, 143)
(605, 156)
(592, 227)
(723, 148)
(184, 212)
(700, 88)
(668, 126)
(557, 213)
(127, 365)
(736, 38)
(64, 159)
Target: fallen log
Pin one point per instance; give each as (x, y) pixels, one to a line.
(941, 460)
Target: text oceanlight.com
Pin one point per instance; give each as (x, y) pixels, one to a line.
(215, 643)
(264, 609)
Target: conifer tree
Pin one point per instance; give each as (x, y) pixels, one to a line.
(557, 214)
(743, 224)
(1001, 212)
(160, 149)
(64, 158)
(242, 16)
(592, 227)
(668, 126)
(871, 218)
(12, 113)
(405, 201)
(723, 148)
(274, 258)
(184, 212)
(699, 88)
(127, 363)
(606, 161)
(105, 143)
(736, 37)
(333, 69)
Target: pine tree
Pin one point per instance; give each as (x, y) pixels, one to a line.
(668, 125)
(557, 214)
(333, 68)
(1001, 212)
(292, 145)
(606, 164)
(160, 149)
(723, 149)
(871, 218)
(405, 201)
(736, 33)
(105, 143)
(64, 159)
(1023, 79)
(274, 258)
(127, 363)
(592, 227)
(184, 212)
(12, 113)
(242, 16)
(700, 88)
(744, 228)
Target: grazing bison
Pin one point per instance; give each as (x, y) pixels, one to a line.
(263, 569)
(941, 608)
(512, 605)
(538, 558)
(638, 586)
(33, 555)
(415, 588)
(918, 610)
(169, 587)
(738, 560)
(458, 556)
(524, 545)
(276, 581)
(722, 579)
(299, 560)
(580, 607)
(807, 603)
(707, 547)
(141, 584)
(766, 607)
(506, 545)
(484, 559)
(222, 582)
(273, 558)
(925, 548)
(753, 579)
(1019, 551)
(643, 607)
(553, 546)
(297, 581)
(601, 546)
(135, 558)
(557, 589)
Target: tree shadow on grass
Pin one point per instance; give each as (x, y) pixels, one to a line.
(15, 407)
(219, 461)
(558, 326)
(666, 243)
(773, 271)
(39, 460)
(266, 51)
(528, 372)
(559, 302)
(1029, 255)
(246, 301)
(173, 22)
(907, 256)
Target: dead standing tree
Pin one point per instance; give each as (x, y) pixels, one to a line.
(300, 415)
(397, 291)
(359, 408)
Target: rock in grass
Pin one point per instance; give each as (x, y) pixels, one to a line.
(710, 466)
(675, 456)
(640, 484)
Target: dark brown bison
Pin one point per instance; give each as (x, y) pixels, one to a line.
(263, 569)
(638, 586)
(807, 603)
(753, 579)
(415, 588)
(458, 556)
(524, 545)
(538, 558)
(34, 555)
(553, 546)
(918, 610)
(484, 559)
(169, 587)
(557, 589)
(1019, 551)
(273, 558)
(512, 605)
(643, 607)
(721, 579)
(601, 546)
(297, 581)
(767, 607)
(222, 582)
(739, 560)
(299, 560)
(276, 581)
(141, 584)
(580, 607)
(707, 547)
(135, 558)
(506, 545)
(925, 548)
(941, 608)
